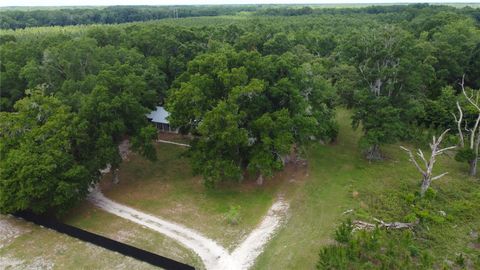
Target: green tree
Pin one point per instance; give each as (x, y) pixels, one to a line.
(217, 153)
(455, 44)
(247, 111)
(380, 121)
(41, 169)
(391, 69)
(278, 44)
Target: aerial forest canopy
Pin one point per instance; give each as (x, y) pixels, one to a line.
(251, 89)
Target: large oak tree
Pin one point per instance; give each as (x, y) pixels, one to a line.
(248, 111)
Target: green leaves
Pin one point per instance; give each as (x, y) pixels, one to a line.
(142, 143)
(455, 43)
(39, 168)
(465, 155)
(216, 154)
(379, 119)
(108, 97)
(246, 111)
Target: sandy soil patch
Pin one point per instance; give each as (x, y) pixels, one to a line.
(37, 263)
(8, 230)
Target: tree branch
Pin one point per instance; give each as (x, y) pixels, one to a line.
(439, 176)
(413, 160)
(462, 84)
(459, 124)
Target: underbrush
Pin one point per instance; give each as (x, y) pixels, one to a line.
(377, 249)
(445, 237)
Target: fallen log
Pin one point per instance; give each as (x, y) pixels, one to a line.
(362, 225)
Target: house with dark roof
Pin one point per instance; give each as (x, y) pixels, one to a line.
(159, 118)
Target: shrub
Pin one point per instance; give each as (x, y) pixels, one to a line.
(343, 233)
(233, 215)
(377, 249)
(460, 260)
(464, 155)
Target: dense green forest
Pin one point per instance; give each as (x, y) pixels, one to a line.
(15, 18)
(251, 89)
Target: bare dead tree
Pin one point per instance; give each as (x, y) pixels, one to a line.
(471, 137)
(427, 169)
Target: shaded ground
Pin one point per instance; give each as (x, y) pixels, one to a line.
(174, 137)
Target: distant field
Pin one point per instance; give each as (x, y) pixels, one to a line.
(79, 29)
(189, 21)
(30, 8)
(338, 5)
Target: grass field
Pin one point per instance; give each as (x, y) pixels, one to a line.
(340, 179)
(337, 179)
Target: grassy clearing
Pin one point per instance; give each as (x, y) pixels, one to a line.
(340, 179)
(166, 188)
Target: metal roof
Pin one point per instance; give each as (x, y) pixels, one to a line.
(159, 115)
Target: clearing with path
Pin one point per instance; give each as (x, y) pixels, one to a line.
(212, 254)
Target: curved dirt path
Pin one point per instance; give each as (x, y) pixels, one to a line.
(212, 254)
(248, 251)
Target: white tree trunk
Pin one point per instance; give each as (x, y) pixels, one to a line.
(373, 153)
(472, 135)
(425, 185)
(473, 166)
(260, 180)
(115, 178)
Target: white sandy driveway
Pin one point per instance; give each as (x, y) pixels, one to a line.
(212, 254)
